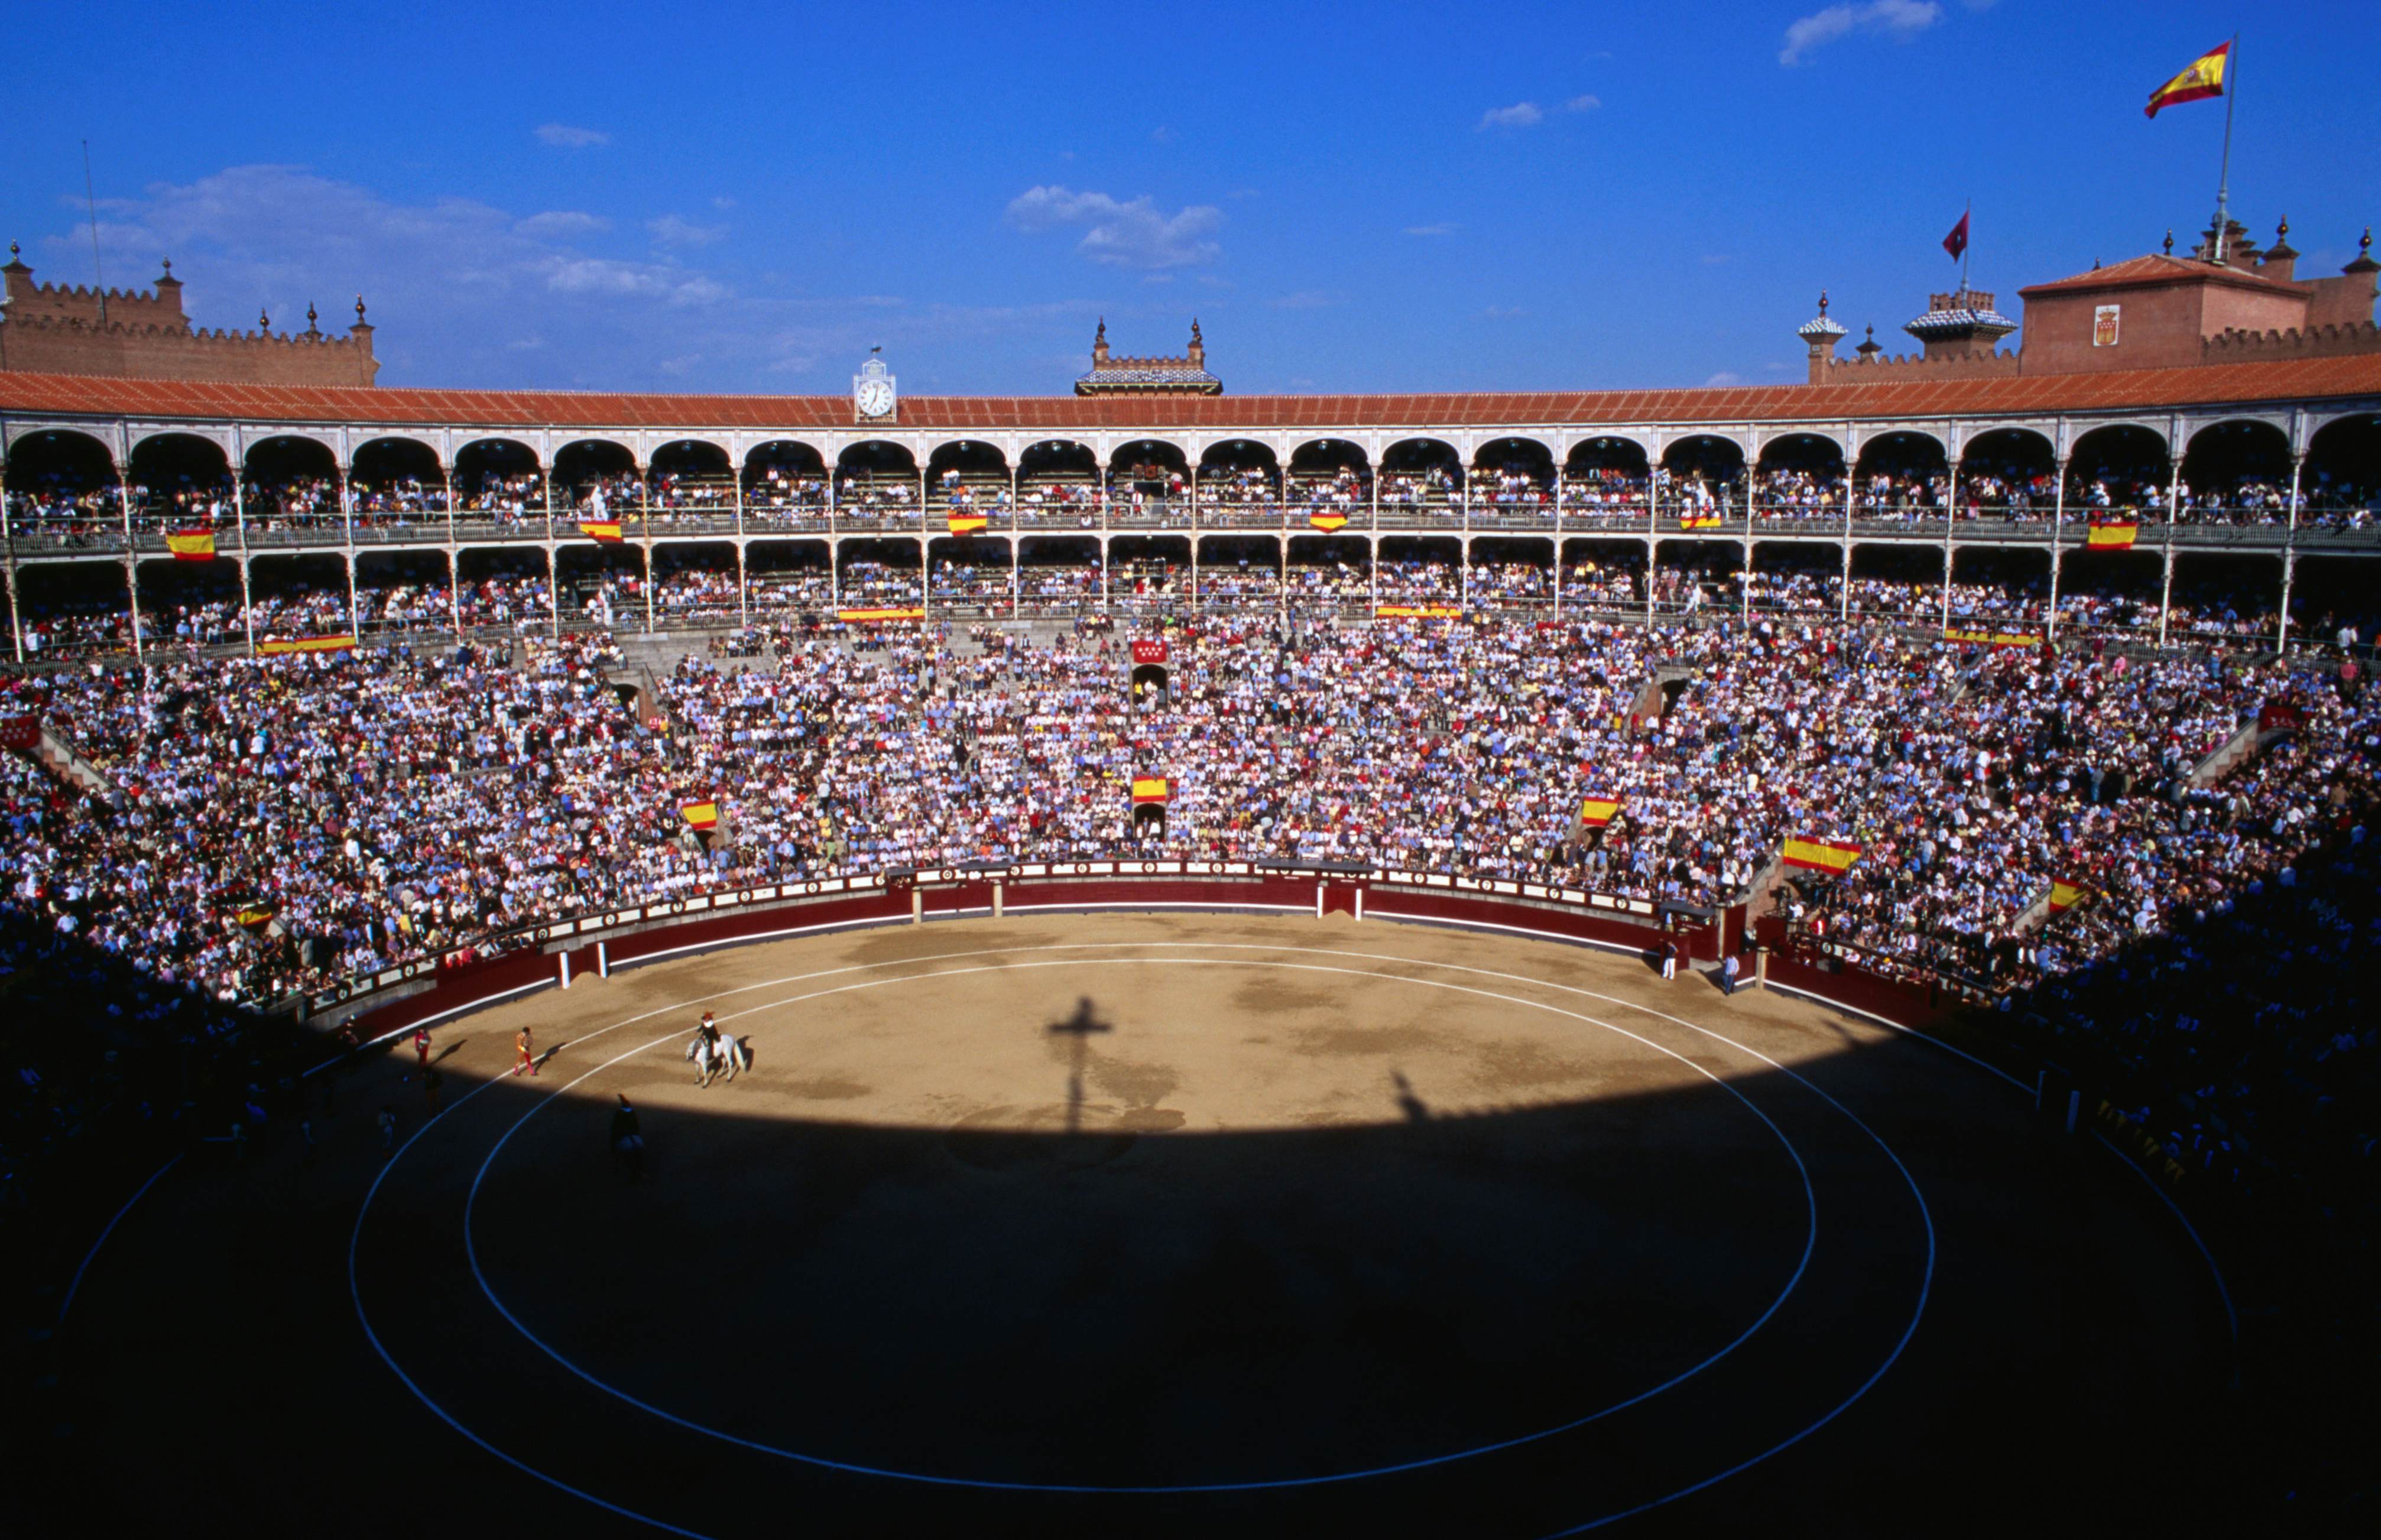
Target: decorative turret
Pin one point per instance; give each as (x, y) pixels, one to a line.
(2364, 263)
(1961, 324)
(1112, 375)
(1870, 347)
(1821, 333)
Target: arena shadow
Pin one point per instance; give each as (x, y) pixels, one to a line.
(1105, 1304)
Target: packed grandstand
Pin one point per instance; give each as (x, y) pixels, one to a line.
(2060, 735)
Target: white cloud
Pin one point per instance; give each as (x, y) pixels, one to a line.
(643, 280)
(468, 293)
(1897, 19)
(1118, 233)
(564, 135)
(1521, 114)
(1726, 377)
(670, 230)
(561, 225)
(1432, 229)
(1582, 103)
(1308, 299)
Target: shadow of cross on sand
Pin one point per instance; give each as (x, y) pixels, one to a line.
(1078, 1029)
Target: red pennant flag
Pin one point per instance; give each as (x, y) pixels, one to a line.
(1956, 242)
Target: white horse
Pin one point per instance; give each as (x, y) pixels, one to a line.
(727, 1059)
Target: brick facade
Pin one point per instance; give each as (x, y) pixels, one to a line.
(2153, 312)
(123, 333)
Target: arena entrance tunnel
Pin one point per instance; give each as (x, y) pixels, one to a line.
(1157, 1195)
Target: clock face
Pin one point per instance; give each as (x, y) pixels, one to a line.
(874, 397)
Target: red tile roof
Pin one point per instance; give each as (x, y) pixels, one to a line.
(2133, 390)
(2140, 273)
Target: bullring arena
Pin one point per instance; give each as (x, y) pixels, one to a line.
(1112, 1220)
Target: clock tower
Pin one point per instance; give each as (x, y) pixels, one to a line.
(873, 397)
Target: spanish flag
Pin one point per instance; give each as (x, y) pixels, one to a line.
(191, 545)
(1814, 855)
(2065, 895)
(252, 916)
(700, 815)
(966, 523)
(2113, 536)
(605, 530)
(1150, 788)
(1700, 519)
(869, 616)
(305, 643)
(2203, 79)
(1418, 611)
(1329, 523)
(1598, 811)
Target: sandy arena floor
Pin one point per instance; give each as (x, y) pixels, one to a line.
(1151, 1225)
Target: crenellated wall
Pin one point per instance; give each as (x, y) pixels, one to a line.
(1879, 369)
(2311, 342)
(58, 329)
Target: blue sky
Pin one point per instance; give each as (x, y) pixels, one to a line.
(1381, 198)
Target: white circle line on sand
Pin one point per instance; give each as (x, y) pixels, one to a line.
(1925, 1216)
(1182, 1488)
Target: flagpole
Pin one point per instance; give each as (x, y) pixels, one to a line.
(2224, 176)
(1967, 245)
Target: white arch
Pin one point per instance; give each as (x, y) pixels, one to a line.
(2084, 430)
(359, 439)
(468, 439)
(1641, 438)
(1483, 440)
(1768, 441)
(2280, 425)
(218, 436)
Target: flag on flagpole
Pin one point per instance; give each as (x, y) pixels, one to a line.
(1956, 242)
(191, 545)
(2203, 79)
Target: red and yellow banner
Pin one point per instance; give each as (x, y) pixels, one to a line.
(1151, 789)
(871, 615)
(2203, 79)
(191, 545)
(1330, 524)
(700, 815)
(2065, 895)
(1419, 612)
(2113, 536)
(965, 524)
(1995, 639)
(1598, 811)
(253, 916)
(306, 644)
(1703, 520)
(606, 532)
(1815, 854)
